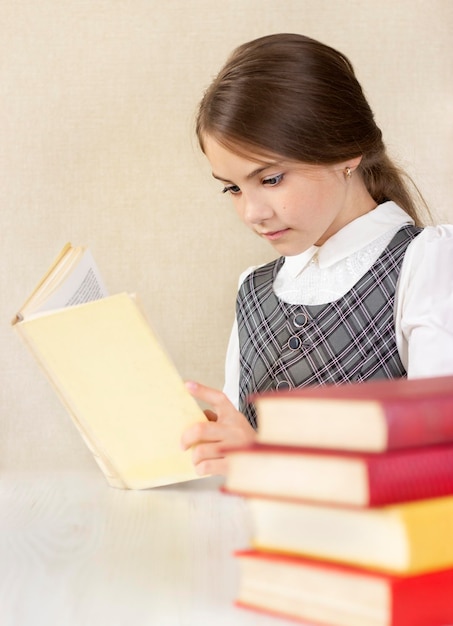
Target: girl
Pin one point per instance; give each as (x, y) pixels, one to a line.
(360, 290)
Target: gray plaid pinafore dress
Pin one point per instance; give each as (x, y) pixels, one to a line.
(283, 345)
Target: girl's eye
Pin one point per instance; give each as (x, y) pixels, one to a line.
(272, 181)
(231, 189)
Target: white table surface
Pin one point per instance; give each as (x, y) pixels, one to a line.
(76, 552)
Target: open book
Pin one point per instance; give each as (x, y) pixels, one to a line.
(122, 390)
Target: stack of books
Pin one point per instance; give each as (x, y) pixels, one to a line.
(350, 495)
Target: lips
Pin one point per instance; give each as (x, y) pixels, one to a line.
(275, 234)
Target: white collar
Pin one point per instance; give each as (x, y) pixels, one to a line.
(351, 238)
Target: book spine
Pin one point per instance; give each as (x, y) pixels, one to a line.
(428, 526)
(426, 421)
(113, 479)
(425, 473)
(423, 600)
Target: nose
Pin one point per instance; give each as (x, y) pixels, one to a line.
(254, 209)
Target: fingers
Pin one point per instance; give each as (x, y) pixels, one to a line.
(211, 396)
(209, 459)
(206, 451)
(224, 429)
(200, 432)
(211, 467)
(224, 410)
(217, 432)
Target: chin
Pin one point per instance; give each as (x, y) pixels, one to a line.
(290, 250)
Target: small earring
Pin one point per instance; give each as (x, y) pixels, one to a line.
(348, 172)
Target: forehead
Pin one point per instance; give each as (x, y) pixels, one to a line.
(236, 155)
(216, 145)
(237, 163)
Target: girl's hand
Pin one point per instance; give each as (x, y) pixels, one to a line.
(226, 428)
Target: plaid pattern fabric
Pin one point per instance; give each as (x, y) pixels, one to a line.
(284, 346)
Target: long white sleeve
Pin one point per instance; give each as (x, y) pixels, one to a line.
(231, 386)
(424, 305)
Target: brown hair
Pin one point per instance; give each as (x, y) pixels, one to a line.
(290, 95)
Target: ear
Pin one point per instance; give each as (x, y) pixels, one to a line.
(353, 164)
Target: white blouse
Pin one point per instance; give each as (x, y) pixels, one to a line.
(424, 293)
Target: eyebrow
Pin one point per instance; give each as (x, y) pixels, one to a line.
(252, 174)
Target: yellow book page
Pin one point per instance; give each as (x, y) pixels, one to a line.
(120, 385)
(429, 531)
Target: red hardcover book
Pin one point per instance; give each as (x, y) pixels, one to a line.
(324, 593)
(370, 416)
(342, 478)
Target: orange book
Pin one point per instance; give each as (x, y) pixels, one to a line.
(318, 592)
(408, 538)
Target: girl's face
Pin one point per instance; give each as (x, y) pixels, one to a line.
(290, 204)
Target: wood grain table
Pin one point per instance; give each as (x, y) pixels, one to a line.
(76, 552)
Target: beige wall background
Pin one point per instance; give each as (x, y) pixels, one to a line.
(97, 102)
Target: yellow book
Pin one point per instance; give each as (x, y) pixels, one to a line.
(410, 538)
(122, 390)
